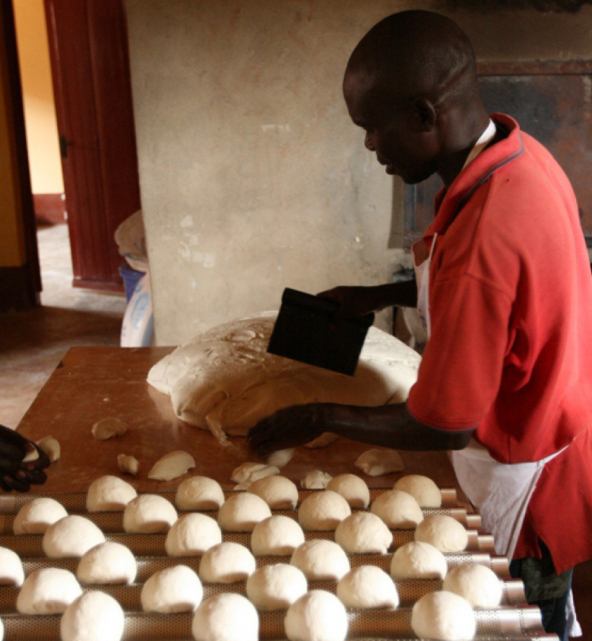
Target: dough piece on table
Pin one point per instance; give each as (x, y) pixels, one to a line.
(172, 466)
(315, 480)
(443, 532)
(399, 510)
(363, 533)
(175, 589)
(107, 428)
(276, 587)
(148, 513)
(250, 472)
(281, 458)
(226, 562)
(224, 380)
(277, 491)
(353, 489)
(107, 563)
(11, 568)
(425, 491)
(51, 447)
(128, 464)
(36, 515)
(278, 535)
(317, 615)
(323, 511)
(444, 616)
(418, 560)
(241, 512)
(321, 560)
(378, 462)
(226, 617)
(71, 536)
(94, 616)
(192, 534)
(478, 584)
(48, 591)
(366, 587)
(199, 493)
(109, 494)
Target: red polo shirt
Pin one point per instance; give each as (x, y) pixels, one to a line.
(510, 350)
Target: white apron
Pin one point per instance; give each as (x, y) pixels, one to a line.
(500, 491)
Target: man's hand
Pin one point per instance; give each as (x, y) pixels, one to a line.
(289, 427)
(353, 301)
(14, 473)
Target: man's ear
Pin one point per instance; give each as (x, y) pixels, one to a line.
(424, 112)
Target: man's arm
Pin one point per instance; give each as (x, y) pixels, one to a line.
(388, 426)
(359, 301)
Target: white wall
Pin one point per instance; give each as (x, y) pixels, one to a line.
(252, 176)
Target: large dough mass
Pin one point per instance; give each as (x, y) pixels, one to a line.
(224, 379)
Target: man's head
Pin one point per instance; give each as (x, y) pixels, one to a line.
(411, 83)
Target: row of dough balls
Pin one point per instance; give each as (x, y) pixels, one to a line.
(445, 614)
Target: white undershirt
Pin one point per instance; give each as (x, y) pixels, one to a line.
(484, 139)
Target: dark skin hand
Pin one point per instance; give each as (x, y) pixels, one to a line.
(359, 301)
(14, 474)
(387, 426)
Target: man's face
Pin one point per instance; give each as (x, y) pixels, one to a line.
(393, 129)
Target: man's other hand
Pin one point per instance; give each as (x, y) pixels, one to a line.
(15, 474)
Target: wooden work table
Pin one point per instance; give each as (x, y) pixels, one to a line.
(92, 383)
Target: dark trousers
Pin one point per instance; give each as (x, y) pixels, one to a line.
(546, 589)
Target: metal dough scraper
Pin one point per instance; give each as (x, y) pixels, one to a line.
(305, 331)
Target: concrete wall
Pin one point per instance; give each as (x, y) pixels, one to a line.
(252, 176)
(38, 100)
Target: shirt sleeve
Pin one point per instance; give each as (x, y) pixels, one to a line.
(461, 369)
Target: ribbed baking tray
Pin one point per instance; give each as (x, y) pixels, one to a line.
(492, 625)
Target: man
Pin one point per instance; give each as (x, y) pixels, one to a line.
(15, 474)
(504, 288)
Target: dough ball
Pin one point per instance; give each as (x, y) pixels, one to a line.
(11, 568)
(107, 428)
(95, 616)
(51, 447)
(353, 489)
(128, 464)
(422, 488)
(277, 535)
(171, 466)
(443, 532)
(48, 591)
(321, 560)
(281, 458)
(71, 536)
(418, 560)
(378, 462)
(226, 562)
(367, 586)
(444, 616)
(478, 584)
(276, 587)
(37, 515)
(315, 480)
(107, 563)
(251, 471)
(323, 511)
(148, 513)
(192, 534)
(1, 630)
(109, 494)
(199, 493)
(226, 617)
(363, 533)
(399, 510)
(175, 589)
(241, 512)
(277, 491)
(317, 615)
